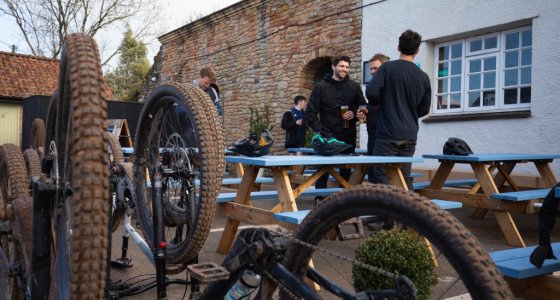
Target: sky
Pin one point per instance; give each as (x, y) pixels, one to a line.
(175, 13)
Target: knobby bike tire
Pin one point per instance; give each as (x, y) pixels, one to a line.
(116, 157)
(14, 180)
(209, 141)
(32, 163)
(38, 134)
(81, 249)
(13, 185)
(459, 246)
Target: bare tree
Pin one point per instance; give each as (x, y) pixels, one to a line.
(45, 23)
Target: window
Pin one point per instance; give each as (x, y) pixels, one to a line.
(484, 73)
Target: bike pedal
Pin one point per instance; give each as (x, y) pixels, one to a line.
(358, 227)
(208, 272)
(121, 263)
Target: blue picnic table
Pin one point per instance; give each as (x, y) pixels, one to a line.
(495, 189)
(241, 211)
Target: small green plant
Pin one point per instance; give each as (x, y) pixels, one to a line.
(258, 122)
(308, 136)
(399, 252)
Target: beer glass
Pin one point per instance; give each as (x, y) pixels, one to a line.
(362, 109)
(343, 110)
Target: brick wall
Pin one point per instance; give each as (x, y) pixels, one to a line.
(264, 51)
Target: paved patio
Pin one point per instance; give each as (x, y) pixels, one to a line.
(486, 230)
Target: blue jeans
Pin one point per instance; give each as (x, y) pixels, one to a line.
(387, 147)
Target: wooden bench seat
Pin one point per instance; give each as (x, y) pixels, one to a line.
(521, 195)
(296, 217)
(515, 263)
(272, 195)
(448, 183)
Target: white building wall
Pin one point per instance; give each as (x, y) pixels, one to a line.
(447, 20)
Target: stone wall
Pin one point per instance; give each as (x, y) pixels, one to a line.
(264, 51)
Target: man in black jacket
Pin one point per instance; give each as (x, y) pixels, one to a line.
(324, 110)
(404, 94)
(293, 123)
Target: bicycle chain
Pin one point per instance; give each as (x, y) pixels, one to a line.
(280, 285)
(326, 251)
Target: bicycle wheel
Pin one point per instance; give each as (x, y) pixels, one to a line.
(464, 265)
(37, 135)
(178, 141)
(81, 211)
(32, 163)
(13, 185)
(116, 157)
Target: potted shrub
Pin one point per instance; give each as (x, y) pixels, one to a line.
(397, 251)
(258, 122)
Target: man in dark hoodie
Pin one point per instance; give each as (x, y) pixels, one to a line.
(404, 94)
(323, 112)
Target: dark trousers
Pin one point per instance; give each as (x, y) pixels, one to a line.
(387, 147)
(321, 183)
(370, 144)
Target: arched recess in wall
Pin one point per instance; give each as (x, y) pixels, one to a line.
(313, 72)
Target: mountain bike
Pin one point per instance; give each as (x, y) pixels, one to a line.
(283, 260)
(177, 171)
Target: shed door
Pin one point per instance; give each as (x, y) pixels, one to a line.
(10, 124)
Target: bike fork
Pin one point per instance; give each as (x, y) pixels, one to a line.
(159, 237)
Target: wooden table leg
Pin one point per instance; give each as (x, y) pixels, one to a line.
(239, 169)
(480, 213)
(395, 176)
(507, 225)
(546, 173)
(242, 197)
(513, 237)
(284, 188)
(441, 175)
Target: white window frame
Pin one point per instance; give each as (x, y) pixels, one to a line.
(496, 84)
(436, 78)
(503, 65)
(482, 37)
(467, 56)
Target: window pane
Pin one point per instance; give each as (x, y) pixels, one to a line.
(455, 100)
(510, 96)
(442, 86)
(443, 53)
(475, 45)
(489, 98)
(474, 99)
(512, 40)
(527, 38)
(526, 76)
(456, 67)
(489, 80)
(526, 94)
(456, 50)
(491, 43)
(474, 82)
(443, 69)
(441, 102)
(455, 84)
(526, 57)
(512, 59)
(510, 77)
(474, 66)
(490, 63)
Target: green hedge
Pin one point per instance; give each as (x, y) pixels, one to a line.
(398, 252)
